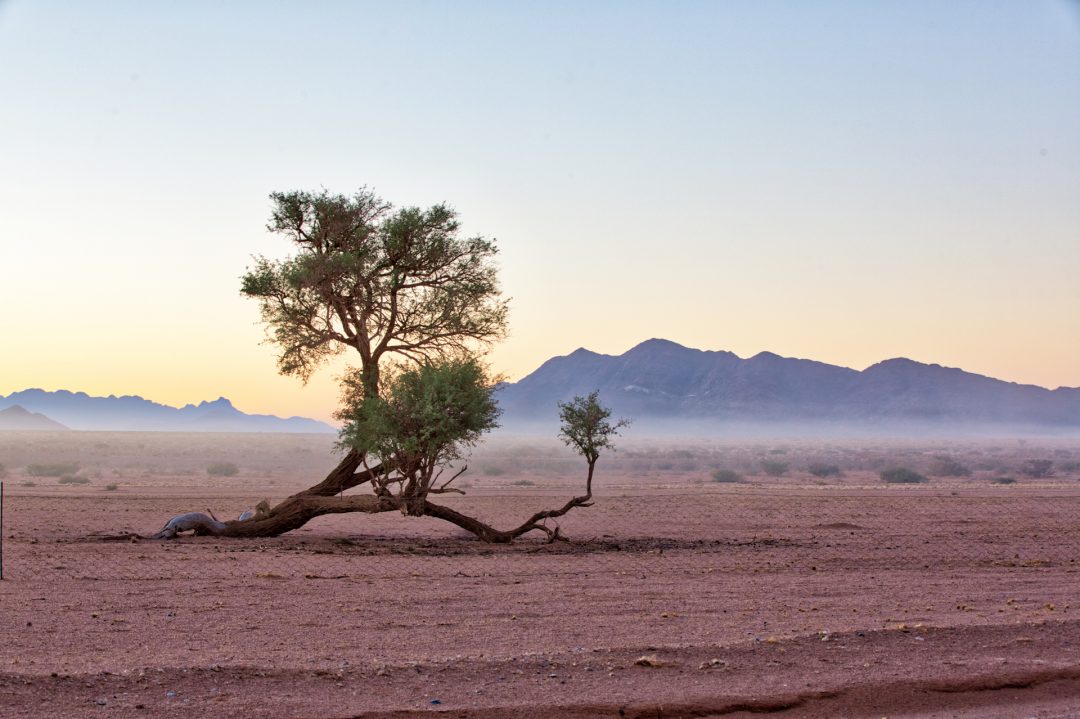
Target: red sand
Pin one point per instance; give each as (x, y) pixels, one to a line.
(930, 601)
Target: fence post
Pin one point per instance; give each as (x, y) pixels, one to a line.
(1, 530)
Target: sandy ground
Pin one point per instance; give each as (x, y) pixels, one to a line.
(850, 599)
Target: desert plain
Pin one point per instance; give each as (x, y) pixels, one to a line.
(801, 585)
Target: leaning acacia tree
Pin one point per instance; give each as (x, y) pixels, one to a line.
(415, 301)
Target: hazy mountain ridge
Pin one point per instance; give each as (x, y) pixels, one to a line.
(79, 410)
(17, 418)
(662, 380)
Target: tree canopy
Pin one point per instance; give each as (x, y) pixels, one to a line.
(374, 279)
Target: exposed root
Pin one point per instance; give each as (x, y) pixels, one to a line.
(190, 522)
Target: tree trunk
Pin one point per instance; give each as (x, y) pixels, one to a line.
(291, 514)
(342, 477)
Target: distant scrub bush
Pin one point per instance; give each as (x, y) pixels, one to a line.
(819, 469)
(492, 471)
(222, 469)
(523, 483)
(774, 468)
(726, 476)
(1070, 466)
(55, 469)
(111, 487)
(1038, 468)
(1003, 480)
(29, 483)
(70, 479)
(902, 475)
(949, 467)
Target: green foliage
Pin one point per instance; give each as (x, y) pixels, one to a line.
(374, 279)
(820, 469)
(774, 468)
(586, 426)
(902, 475)
(70, 479)
(425, 415)
(523, 483)
(222, 469)
(54, 469)
(726, 476)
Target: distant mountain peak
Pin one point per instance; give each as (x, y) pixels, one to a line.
(657, 345)
(17, 417)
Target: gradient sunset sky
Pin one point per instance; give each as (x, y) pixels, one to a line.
(841, 181)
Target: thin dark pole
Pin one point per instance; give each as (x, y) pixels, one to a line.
(1, 531)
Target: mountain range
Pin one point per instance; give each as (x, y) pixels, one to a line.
(665, 388)
(77, 410)
(661, 384)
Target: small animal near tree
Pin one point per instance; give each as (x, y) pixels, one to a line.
(417, 303)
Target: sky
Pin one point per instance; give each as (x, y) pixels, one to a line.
(839, 181)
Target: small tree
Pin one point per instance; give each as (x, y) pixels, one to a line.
(586, 427)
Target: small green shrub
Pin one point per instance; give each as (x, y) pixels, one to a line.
(55, 469)
(222, 469)
(726, 476)
(70, 479)
(523, 483)
(111, 487)
(819, 469)
(774, 468)
(901, 475)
